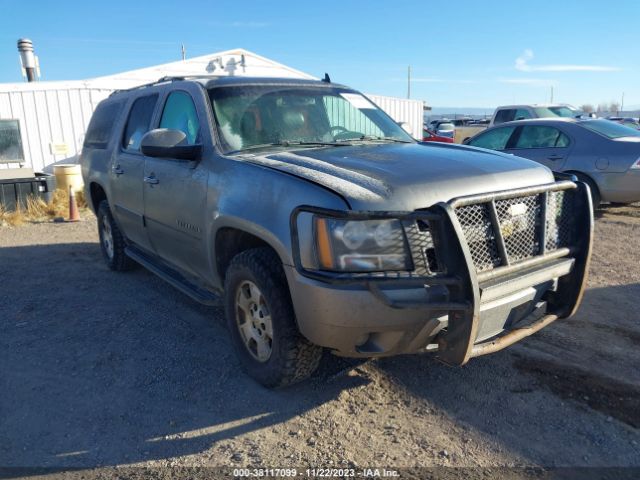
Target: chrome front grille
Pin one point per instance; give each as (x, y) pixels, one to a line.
(522, 226)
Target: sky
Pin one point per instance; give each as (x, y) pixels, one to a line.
(465, 53)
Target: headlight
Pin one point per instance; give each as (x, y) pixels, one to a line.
(361, 245)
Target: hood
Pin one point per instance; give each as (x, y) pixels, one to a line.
(406, 177)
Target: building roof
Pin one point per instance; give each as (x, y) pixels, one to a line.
(236, 62)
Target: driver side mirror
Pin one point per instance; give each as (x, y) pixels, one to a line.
(168, 143)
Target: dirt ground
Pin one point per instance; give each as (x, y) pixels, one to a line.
(100, 369)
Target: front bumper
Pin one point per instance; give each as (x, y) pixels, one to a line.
(459, 311)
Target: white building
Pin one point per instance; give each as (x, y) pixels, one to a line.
(53, 116)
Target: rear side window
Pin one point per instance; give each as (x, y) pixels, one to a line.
(503, 116)
(101, 125)
(493, 139)
(180, 114)
(138, 122)
(538, 136)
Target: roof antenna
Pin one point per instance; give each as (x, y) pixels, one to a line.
(326, 78)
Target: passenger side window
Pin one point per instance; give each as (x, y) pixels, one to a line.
(538, 136)
(493, 139)
(180, 114)
(139, 122)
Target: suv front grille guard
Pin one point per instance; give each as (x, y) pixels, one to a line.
(451, 259)
(524, 228)
(508, 228)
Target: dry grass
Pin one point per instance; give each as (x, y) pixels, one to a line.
(37, 210)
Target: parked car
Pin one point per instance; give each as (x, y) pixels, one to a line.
(510, 113)
(461, 122)
(430, 136)
(320, 223)
(628, 121)
(444, 128)
(603, 154)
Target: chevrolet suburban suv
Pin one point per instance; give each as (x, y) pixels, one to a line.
(321, 224)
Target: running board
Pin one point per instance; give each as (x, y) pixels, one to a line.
(174, 278)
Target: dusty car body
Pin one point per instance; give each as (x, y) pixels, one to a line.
(601, 153)
(338, 228)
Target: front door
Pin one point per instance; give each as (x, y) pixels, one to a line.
(175, 192)
(127, 171)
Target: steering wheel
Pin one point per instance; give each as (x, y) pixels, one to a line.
(337, 130)
(341, 133)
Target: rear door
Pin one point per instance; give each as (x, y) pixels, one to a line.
(127, 171)
(175, 190)
(545, 144)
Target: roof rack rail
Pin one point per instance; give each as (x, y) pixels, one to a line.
(167, 78)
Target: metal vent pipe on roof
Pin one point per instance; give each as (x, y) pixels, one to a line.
(27, 58)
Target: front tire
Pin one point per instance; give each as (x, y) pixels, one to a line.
(262, 323)
(112, 241)
(595, 192)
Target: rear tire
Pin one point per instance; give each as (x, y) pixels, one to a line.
(262, 323)
(112, 241)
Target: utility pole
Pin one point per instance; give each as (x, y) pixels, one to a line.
(551, 101)
(409, 82)
(184, 52)
(622, 103)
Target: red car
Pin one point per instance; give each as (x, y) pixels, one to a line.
(430, 136)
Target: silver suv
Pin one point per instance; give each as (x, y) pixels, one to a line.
(321, 224)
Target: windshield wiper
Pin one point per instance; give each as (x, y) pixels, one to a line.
(288, 143)
(376, 138)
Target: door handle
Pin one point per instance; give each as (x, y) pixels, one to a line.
(117, 170)
(555, 157)
(151, 179)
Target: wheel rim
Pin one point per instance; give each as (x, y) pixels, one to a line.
(253, 319)
(107, 237)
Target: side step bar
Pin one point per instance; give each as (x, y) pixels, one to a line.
(174, 278)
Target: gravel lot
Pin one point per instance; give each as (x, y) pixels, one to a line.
(105, 369)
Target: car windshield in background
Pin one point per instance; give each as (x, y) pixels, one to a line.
(446, 127)
(257, 116)
(546, 112)
(564, 112)
(610, 129)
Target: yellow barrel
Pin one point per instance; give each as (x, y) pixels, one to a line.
(68, 175)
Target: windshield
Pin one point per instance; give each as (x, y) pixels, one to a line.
(610, 129)
(545, 112)
(445, 127)
(565, 112)
(256, 116)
